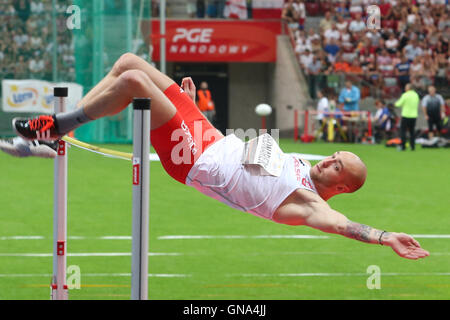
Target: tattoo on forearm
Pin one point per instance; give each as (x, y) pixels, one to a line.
(361, 232)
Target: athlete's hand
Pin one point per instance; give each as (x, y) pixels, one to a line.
(405, 246)
(189, 87)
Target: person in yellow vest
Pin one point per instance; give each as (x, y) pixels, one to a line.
(409, 102)
(205, 102)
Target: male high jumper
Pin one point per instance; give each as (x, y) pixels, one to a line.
(194, 153)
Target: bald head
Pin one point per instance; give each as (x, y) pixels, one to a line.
(355, 171)
(342, 172)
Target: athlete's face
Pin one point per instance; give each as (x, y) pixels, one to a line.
(341, 172)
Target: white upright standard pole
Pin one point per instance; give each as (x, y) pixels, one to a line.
(59, 289)
(141, 194)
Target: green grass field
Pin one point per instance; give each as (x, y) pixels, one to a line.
(405, 192)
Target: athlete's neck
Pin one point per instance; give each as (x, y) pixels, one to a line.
(324, 192)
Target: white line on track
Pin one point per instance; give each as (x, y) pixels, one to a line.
(245, 275)
(297, 236)
(256, 275)
(184, 237)
(89, 254)
(23, 238)
(193, 237)
(32, 275)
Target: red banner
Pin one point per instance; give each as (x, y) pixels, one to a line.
(217, 41)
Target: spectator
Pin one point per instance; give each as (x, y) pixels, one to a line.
(36, 66)
(373, 77)
(191, 8)
(326, 22)
(416, 69)
(323, 107)
(411, 50)
(19, 37)
(313, 70)
(290, 15)
(441, 66)
(357, 25)
(342, 10)
(365, 47)
(332, 49)
(36, 40)
(301, 13)
(385, 8)
(340, 65)
(375, 38)
(36, 7)
(23, 9)
(392, 43)
(201, 8)
(212, 9)
(306, 58)
(355, 68)
(349, 97)
(402, 72)
(443, 22)
(356, 7)
(381, 121)
(21, 70)
(409, 102)
(326, 69)
(312, 35)
(205, 102)
(301, 45)
(332, 33)
(428, 20)
(384, 62)
(433, 107)
(341, 24)
(429, 72)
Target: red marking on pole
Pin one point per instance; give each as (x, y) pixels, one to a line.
(263, 122)
(61, 148)
(60, 248)
(136, 174)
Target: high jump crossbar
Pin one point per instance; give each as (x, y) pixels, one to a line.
(140, 207)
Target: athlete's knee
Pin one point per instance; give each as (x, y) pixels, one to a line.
(135, 80)
(126, 62)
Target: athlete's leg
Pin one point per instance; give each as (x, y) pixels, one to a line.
(120, 93)
(129, 61)
(126, 62)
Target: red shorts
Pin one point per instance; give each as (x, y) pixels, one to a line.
(181, 140)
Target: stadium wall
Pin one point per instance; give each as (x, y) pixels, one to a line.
(248, 87)
(288, 86)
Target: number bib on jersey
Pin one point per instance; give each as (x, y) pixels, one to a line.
(264, 152)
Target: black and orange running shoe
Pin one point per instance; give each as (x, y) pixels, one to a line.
(40, 128)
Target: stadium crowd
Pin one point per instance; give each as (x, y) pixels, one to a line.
(411, 44)
(26, 40)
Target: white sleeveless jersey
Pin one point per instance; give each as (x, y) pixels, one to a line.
(219, 173)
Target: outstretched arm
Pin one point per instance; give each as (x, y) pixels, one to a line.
(318, 215)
